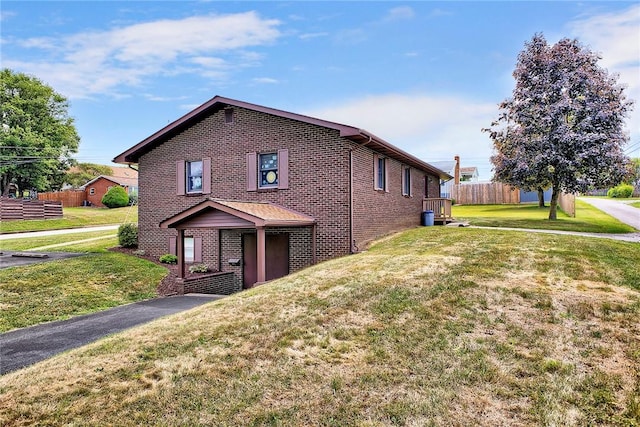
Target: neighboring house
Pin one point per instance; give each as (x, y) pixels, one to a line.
(460, 175)
(257, 193)
(98, 187)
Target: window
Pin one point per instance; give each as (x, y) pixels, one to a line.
(189, 249)
(194, 177)
(92, 191)
(406, 181)
(268, 170)
(380, 175)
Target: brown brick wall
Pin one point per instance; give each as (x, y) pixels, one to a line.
(101, 186)
(377, 212)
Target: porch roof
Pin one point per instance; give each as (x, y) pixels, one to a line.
(216, 213)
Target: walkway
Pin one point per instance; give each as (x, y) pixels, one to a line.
(8, 236)
(617, 209)
(24, 347)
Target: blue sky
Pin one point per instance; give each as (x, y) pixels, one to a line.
(425, 76)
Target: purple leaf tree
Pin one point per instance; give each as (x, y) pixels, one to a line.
(563, 127)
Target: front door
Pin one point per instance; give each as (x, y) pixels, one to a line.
(277, 257)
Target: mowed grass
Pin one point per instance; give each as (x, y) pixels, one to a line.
(75, 217)
(587, 219)
(56, 290)
(635, 204)
(63, 242)
(433, 326)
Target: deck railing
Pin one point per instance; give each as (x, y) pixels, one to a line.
(441, 208)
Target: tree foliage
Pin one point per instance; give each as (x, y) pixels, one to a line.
(85, 172)
(563, 125)
(115, 197)
(37, 137)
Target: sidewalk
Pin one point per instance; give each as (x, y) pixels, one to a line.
(8, 236)
(628, 237)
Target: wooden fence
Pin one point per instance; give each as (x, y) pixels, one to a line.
(567, 203)
(17, 209)
(68, 198)
(489, 193)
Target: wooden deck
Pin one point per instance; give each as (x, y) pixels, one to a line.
(441, 208)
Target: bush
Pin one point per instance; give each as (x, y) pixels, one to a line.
(128, 235)
(116, 197)
(622, 191)
(133, 199)
(198, 268)
(169, 259)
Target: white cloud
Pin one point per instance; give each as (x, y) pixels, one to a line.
(265, 80)
(102, 62)
(312, 35)
(400, 13)
(429, 127)
(616, 37)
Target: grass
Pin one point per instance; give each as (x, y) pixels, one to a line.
(75, 217)
(635, 204)
(62, 242)
(588, 218)
(61, 289)
(433, 326)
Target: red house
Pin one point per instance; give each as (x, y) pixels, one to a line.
(256, 193)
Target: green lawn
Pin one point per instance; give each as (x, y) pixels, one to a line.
(588, 218)
(635, 204)
(75, 217)
(57, 290)
(433, 326)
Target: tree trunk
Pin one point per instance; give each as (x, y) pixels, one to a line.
(554, 203)
(540, 198)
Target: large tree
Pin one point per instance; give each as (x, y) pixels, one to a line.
(37, 136)
(563, 125)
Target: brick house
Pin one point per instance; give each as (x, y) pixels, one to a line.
(257, 193)
(96, 188)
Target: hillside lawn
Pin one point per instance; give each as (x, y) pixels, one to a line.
(432, 326)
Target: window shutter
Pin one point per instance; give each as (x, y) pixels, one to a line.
(375, 172)
(283, 169)
(180, 178)
(252, 171)
(197, 249)
(173, 249)
(206, 175)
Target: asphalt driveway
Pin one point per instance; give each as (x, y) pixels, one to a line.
(24, 347)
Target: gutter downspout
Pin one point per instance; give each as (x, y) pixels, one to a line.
(353, 247)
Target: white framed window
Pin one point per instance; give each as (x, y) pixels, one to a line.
(406, 181)
(194, 177)
(380, 173)
(268, 170)
(92, 191)
(189, 249)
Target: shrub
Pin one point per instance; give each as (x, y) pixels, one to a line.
(168, 259)
(133, 199)
(623, 191)
(198, 268)
(128, 235)
(116, 197)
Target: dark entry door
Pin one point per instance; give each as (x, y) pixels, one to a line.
(277, 257)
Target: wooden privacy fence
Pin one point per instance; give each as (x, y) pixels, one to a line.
(489, 193)
(68, 198)
(17, 209)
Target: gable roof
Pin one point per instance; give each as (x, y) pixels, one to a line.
(127, 182)
(234, 214)
(357, 135)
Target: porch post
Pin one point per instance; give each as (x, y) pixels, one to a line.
(180, 253)
(262, 258)
(314, 233)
